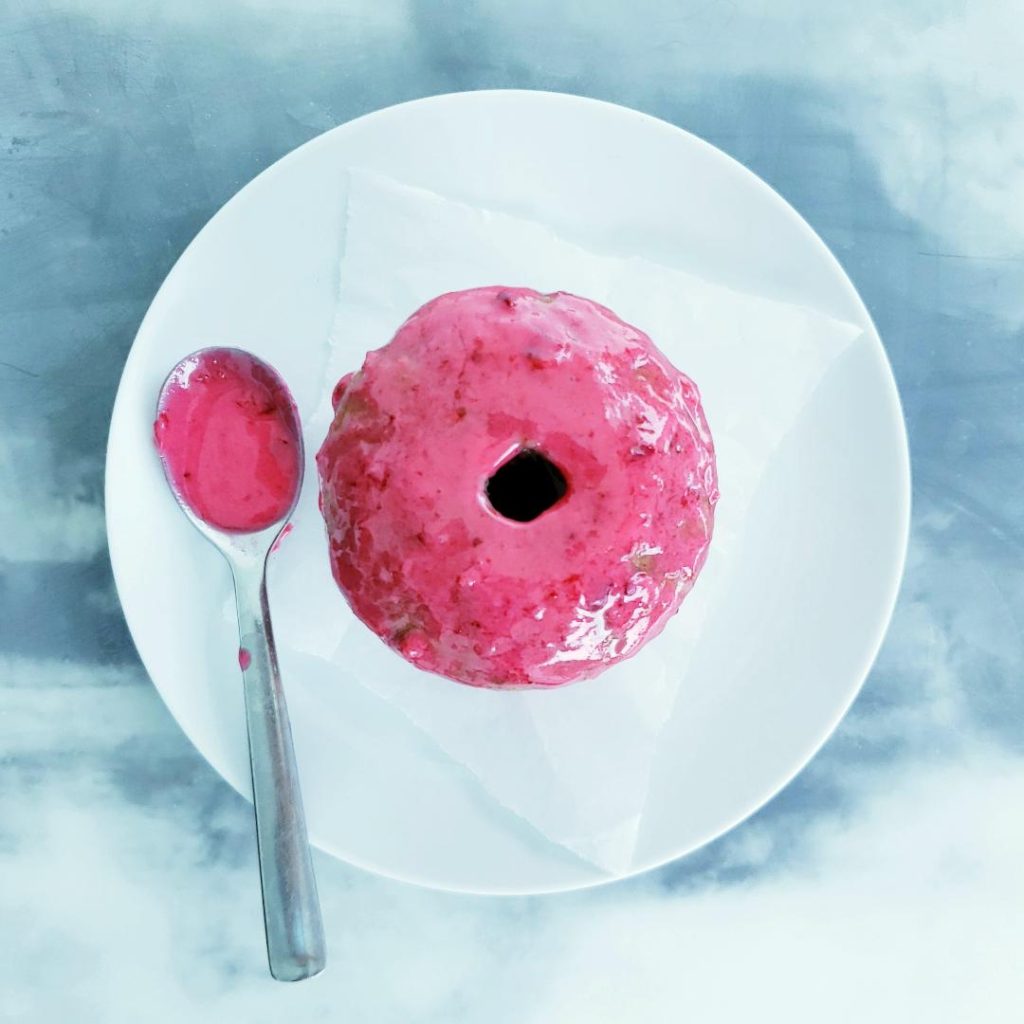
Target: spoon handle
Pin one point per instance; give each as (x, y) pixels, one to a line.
(291, 909)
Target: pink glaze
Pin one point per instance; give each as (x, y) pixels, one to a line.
(244, 658)
(455, 587)
(228, 433)
(281, 536)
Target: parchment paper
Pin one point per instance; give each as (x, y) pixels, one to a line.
(575, 762)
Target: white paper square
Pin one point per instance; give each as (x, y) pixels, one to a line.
(574, 762)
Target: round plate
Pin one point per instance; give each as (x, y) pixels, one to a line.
(828, 527)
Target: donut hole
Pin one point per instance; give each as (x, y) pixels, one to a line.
(526, 486)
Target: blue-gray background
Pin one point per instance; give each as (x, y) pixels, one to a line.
(885, 883)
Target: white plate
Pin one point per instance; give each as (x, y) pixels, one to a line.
(823, 555)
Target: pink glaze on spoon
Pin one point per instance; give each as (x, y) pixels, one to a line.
(227, 431)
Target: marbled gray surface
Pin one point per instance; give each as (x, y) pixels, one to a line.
(884, 884)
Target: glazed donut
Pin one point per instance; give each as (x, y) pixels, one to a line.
(518, 489)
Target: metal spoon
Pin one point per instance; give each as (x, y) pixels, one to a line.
(291, 908)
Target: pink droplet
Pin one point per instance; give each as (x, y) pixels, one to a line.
(281, 536)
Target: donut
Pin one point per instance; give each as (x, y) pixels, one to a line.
(518, 489)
